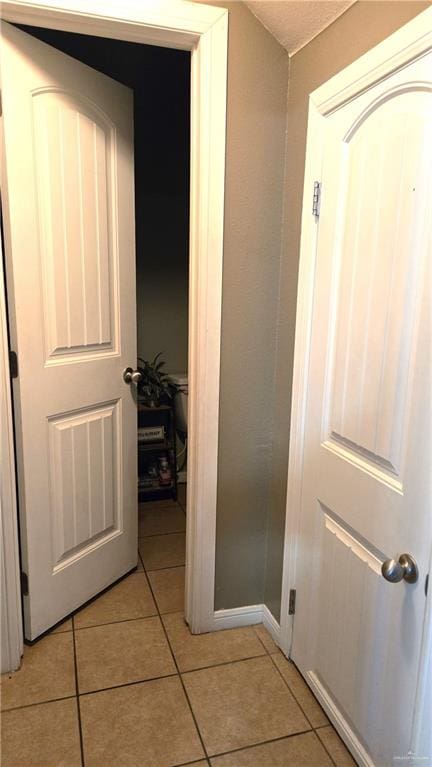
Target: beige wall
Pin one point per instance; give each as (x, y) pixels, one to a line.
(364, 25)
(256, 119)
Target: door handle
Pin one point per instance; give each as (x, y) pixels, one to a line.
(404, 568)
(131, 376)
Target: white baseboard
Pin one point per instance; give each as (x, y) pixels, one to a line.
(249, 615)
(237, 617)
(341, 725)
(271, 624)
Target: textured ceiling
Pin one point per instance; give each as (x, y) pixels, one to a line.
(295, 22)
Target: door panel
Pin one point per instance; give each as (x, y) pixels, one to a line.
(366, 490)
(75, 152)
(376, 299)
(85, 480)
(69, 227)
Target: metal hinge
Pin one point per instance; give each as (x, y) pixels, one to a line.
(292, 602)
(316, 200)
(24, 584)
(13, 364)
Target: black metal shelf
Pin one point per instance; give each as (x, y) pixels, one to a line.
(162, 416)
(154, 446)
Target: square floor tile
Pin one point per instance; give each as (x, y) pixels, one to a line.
(45, 735)
(168, 588)
(266, 639)
(298, 751)
(47, 672)
(242, 704)
(161, 551)
(301, 691)
(144, 724)
(131, 598)
(153, 521)
(120, 653)
(196, 651)
(335, 746)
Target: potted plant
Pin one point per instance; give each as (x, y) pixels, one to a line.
(155, 388)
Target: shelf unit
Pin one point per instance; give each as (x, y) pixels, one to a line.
(149, 483)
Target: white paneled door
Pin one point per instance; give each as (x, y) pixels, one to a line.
(366, 486)
(69, 230)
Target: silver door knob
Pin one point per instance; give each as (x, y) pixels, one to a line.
(404, 568)
(131, 376)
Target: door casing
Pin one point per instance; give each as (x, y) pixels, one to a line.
(410, 42)
(204, 31)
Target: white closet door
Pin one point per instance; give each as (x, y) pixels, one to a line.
(69, 229)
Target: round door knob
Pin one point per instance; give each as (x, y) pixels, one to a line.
(131, 376)
(404, 568)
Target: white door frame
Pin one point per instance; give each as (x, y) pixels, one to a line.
(203, 30)
(411, 41)
(11, 637)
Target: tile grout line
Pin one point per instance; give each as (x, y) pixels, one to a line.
(158, 569)
(333, 761)
(287, 684)
(37, 703)
(127, 684)
(290, 689)
(178, 672)
(292, 692)
(261, 743)
(77, 695)
(116, 622)
(259, 638)
(313, 729)
(221, 663)
(123, 620)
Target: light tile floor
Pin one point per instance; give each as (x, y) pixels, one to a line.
(124, 682)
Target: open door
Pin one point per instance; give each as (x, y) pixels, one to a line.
(68, 197)
(365, 525)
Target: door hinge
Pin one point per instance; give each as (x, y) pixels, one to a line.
(24, 584)
(292, 602)
(13, 364)
(316, 199)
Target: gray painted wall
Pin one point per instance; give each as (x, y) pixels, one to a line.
(256, 121)
(364, 25)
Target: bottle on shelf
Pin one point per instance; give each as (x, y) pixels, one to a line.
(164, 471)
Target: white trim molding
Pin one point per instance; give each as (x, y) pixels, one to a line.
(271, 624)
(203, 30)
(250, 615)
(11, 639)
(412, 41)
(353, 743)
(236, 617)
